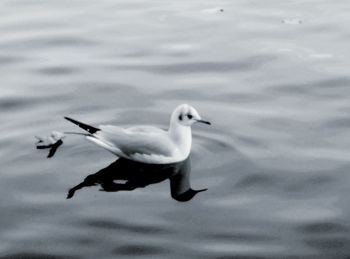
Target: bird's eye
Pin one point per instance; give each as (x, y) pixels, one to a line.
(180, 117)
(189, 116)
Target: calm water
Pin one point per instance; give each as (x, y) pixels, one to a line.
(272, 76)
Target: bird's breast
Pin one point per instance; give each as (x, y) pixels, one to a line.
(182, 139)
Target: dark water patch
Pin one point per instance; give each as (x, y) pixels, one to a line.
(179, 54)
(334, 82)
(114, 95)
(24, 3)
(87, 108)
(13, 103)
(242, 257)
(52, 42)
(340, 122)
(280, 124)
(37, 256)
(322, 29)
(114, 225)
(330, 238)
(139, 250)
(240, 237)
(68, 41)
(84, 241)
(330, 244)
(99, 87)
(309, 184)
(213, 140)
(319, 228)
(296, 255)
(30, 25)
(247, 141)
(200, 66)
(210, 95)
(57, 71)
(330, 87)
(137, 54)
(290, 88)
(8, 60)
(183, 94)
(256, 180)
(244, 97)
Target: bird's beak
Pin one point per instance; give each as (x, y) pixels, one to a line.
(203, 121)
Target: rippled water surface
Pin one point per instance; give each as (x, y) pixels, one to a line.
(273, 78)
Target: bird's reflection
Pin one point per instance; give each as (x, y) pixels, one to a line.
(138, 175)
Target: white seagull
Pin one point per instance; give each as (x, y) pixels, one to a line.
(147, 144)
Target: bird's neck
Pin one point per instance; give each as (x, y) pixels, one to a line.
(182, 137)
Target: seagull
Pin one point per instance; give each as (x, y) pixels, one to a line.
(148, 144)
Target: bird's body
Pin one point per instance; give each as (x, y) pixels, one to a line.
(143, 144)
(148, 144)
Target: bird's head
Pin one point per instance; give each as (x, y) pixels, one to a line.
(186, 115)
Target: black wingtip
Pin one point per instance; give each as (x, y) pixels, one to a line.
(84, 126)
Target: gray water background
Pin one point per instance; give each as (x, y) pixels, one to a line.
(273, 78)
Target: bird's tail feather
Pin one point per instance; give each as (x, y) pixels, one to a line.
(84, 126)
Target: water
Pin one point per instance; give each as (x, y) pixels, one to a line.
(272, 77)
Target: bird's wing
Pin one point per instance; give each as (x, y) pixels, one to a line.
(137, 140)
(145, 129)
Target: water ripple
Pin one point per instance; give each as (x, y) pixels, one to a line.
(45, 43)
(37, 256)
(139, 250)
(58, 70)
(123, 226)
(326, 227)
(200, 66)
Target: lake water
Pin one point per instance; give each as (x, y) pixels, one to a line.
(272, 77)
